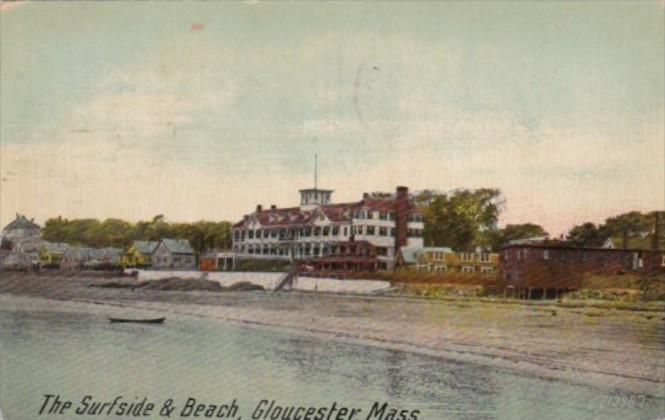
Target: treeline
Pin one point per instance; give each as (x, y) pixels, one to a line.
(465, 219)
(623, 227)
(462, 220)
(202, 235)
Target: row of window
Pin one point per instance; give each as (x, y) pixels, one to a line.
(307, 250)
(434, 268)
(378, 215)
(463, 256)
(175, 260)
(579, 255)
(319, 231)
(240, 235)
(546, 254)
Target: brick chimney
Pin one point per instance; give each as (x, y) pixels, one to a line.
(401, 216)
(259, 208)
(365, 196)
(273, 207)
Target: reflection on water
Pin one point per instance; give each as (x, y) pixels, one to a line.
(75, 354)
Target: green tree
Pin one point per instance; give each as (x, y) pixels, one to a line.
(462, 219)
(627, 225)
(511, 232)
(586, 234)
(55, 229)
(624, 226)
(202, 235)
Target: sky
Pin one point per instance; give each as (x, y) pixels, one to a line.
(202, 110)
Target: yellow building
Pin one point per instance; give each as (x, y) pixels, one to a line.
(139, 254)
(445, 260)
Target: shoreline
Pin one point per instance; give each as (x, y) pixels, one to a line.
(461, 331)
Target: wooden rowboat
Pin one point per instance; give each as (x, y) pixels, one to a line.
(139, 321)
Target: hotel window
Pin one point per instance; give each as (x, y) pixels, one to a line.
(371, 230)
(468, 269)
(484, 257)
(383, 231)
(415, 217)
(486, 269)
(317, 231)
(383, 215)
(250, 234)
(346, 231)
(392, 232)
(335, 230)
(466, 256)
(326, 230)
(266, 233)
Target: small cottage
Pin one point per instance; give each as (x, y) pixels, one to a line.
(76, 258)
(139, 254)
(174, 254)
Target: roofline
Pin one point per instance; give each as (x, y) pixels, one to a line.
(578, 248)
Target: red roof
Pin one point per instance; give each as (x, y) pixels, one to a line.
(335, 212)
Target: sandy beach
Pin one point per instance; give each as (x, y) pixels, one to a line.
(618, 349)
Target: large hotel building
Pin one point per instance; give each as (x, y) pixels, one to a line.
(362, 235)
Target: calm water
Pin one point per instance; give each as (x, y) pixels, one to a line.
(75, 354)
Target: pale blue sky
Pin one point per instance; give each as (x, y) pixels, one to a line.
(119, 109)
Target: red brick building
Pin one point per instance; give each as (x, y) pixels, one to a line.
(545, 270)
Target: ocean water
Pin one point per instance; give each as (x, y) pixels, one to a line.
(78, 354)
